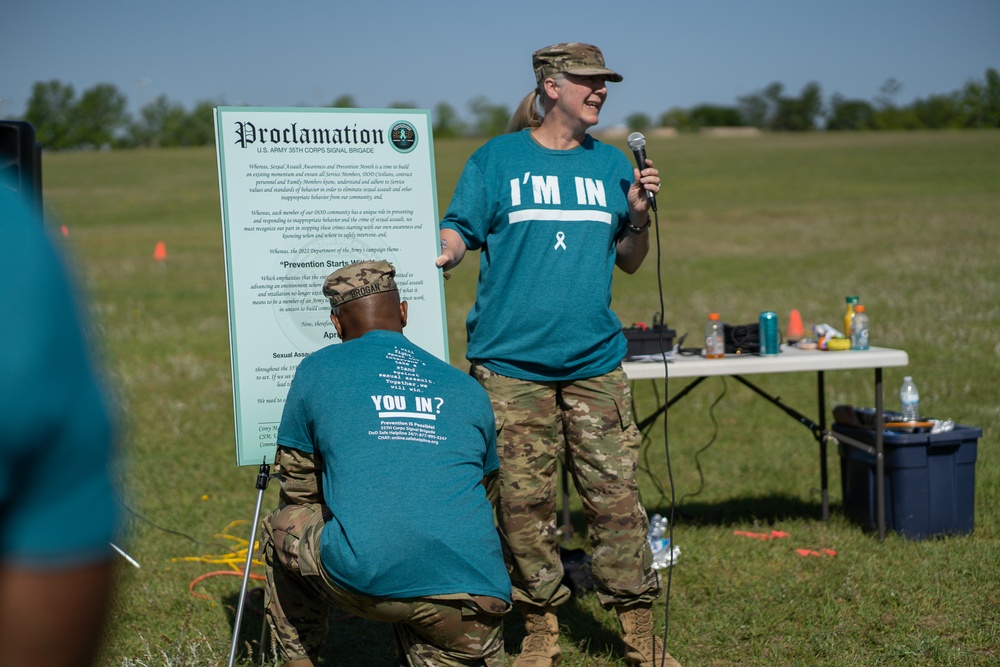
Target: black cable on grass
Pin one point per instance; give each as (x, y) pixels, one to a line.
(167, 530)
(711, 441)
(644, 443)
(646, 467)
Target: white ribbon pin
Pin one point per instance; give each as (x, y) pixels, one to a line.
(560, 237)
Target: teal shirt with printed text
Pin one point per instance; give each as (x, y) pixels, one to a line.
(546, 223)
(405, 440)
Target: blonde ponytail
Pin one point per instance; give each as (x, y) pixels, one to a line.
(526, 114)
(530, 112)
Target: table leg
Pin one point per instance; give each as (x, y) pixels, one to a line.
(824, 477)
(663, 408)
(879, 458)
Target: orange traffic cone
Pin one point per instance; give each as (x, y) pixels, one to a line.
(795, 331)
(160, 251)
(65, 230)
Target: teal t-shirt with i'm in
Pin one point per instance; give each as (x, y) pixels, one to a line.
(546, 222)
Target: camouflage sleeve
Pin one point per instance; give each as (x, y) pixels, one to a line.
(299, 474)
(492, 484)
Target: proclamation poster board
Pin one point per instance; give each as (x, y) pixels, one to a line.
(304, 192)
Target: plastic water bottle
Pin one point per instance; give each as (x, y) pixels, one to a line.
(909, 399)
(859, 329)
(664, 553)
(715, 348)
(657, 532)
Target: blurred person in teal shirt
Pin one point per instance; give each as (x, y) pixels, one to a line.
(58, 513)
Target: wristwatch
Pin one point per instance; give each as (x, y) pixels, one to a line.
(639, 230)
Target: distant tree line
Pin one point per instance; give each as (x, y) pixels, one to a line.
(98, 117)
(976, 105)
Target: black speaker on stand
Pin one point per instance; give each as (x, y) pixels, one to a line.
(21, 160)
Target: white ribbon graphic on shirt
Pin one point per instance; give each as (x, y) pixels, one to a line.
(560, 237)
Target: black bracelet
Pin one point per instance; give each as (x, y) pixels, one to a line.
(639, 230)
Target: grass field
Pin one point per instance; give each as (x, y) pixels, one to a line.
(910, 221)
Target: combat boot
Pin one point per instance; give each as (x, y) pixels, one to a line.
(643, 648)
(540, 647)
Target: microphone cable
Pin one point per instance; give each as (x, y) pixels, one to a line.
(666, 440)
(637, 144)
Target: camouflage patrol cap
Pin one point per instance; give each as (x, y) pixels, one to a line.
(358, 280)
(571, 58)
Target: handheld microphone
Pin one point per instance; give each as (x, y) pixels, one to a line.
(637, 143)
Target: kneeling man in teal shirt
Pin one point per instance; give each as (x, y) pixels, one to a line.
(387, 461)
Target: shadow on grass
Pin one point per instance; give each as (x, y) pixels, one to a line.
(251, 624)
(767, 509)
(353, 641)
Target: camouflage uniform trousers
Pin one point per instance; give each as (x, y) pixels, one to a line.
(441, 631)
(588, 424)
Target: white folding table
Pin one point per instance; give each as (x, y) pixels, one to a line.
(789, 360)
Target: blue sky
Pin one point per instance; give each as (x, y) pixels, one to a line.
(308, 52)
